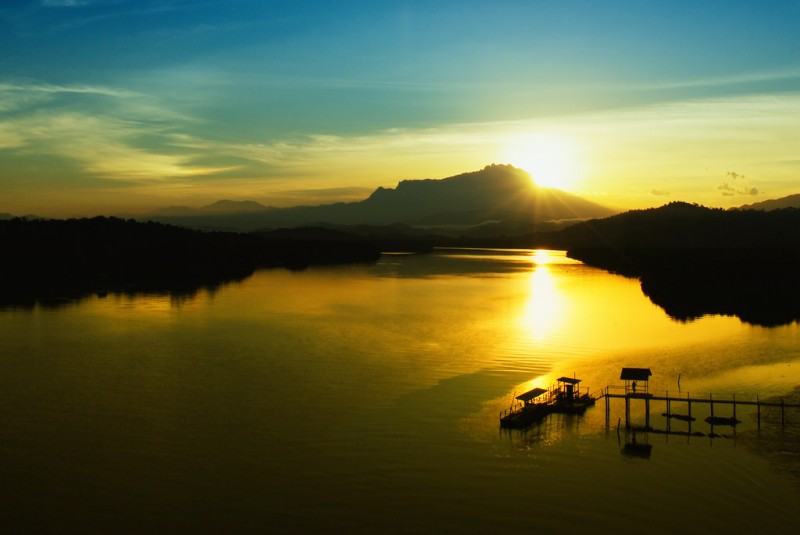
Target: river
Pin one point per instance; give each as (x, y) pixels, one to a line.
(366, 398)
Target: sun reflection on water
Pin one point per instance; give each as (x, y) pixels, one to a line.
(544, 311)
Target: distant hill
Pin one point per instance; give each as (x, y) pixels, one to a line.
(791, 201)
(223, 207)
(682, 225)
(694, 261)
(494, 195)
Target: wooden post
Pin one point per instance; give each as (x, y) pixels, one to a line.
(627, 412)
(758, 408)
(669, 413)
(782, 413)
(711, 401)
(647, 413)
(689, 401)
(734, 408)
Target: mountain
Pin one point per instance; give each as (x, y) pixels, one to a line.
(224, 207)
(233, 207)
(496, 195)
(791, 201)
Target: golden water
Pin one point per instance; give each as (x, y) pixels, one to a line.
(366, 398)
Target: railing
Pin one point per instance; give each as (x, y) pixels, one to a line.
(612, 391)
(689, 399)
(516, 407)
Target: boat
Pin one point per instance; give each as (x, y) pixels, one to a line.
(682, 417)
(567, 398)
(533, 408)
(721, 420)
(535, 404)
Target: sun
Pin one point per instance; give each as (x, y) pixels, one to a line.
(553, 161)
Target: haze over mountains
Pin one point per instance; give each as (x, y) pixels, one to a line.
(496, 195)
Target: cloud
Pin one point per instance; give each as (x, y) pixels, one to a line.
(65, 3)
(739, 186)
(165, 143)
(728, 191)
(105, 144)
(791, 73)
(56, 88)
(103, 10)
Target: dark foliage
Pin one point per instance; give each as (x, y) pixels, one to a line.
(694, 261)
(44, 259)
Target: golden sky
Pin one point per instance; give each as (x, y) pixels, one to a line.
(120, 107)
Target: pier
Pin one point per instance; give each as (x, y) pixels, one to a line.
(565, 397)
(636, 389)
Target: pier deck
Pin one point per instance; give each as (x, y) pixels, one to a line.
(647, 397)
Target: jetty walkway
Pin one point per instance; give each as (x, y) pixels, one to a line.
(687, 400)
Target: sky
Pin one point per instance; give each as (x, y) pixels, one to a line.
(123, 106)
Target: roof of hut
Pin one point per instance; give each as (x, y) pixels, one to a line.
(635, 374)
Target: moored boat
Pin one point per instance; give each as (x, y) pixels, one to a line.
(567, 397)
(535, 404)
(722, 420)
(533, 407)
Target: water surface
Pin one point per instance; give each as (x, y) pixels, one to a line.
(366, 398)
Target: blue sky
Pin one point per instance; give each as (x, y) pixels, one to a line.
(120, 105)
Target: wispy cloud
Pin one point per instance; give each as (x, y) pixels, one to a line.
(35, 87)
(103, 146)
(65, 3)
(736, 184)
(114, 9)
(680, 149)
(106, 145)
(775, 75)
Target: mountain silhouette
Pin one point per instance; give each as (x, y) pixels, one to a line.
(223, 207)
(693, 261)
(495, 194)
(684, 225)
(790, 201)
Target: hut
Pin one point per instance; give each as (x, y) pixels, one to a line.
(636, 381)
(567, 388)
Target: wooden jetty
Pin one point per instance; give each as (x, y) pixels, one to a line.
(636, 387)
(536, 404)
(534, 407)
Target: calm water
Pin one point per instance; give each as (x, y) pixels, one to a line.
(366, 398)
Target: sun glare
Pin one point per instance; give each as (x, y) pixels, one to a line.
(544, 310)
(553, 161)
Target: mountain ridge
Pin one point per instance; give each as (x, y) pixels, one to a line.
(790, 201)
(496, 193)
